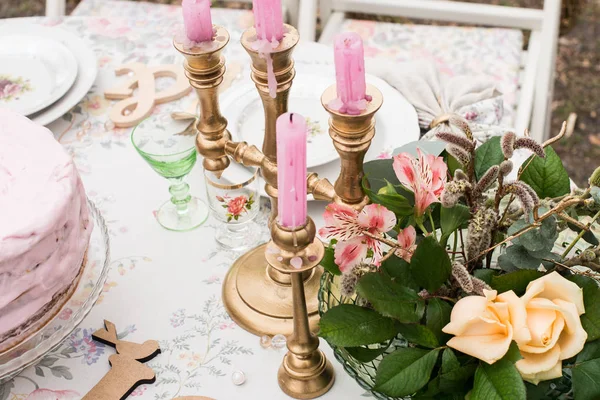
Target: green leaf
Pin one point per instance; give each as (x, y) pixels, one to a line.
(516, 281)
(499, 381)
(456, 379)
(451, 219)
(399, 270)
(590, 351)
(449, 361)
(349, 325)
(430, 265)
(405, 371)
(586, 380)
(438, 316)
(485, 275)
(364, 354)
(513, 354)
(419, 334)
(591, 301)
(328, 262)
(452, 164)
(518, 256)
(390, 298)
(379, 173)
(487, 155)
(547, 176)
(395, 202)
(531, 240)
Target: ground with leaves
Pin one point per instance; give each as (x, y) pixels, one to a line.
(577, 87)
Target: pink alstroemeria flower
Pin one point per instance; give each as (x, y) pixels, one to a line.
(425, 176)
(349, 226)
(407, 239)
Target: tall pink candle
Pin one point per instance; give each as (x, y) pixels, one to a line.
(268, 19)
(349, 58)
(197, 20)
(291, 169)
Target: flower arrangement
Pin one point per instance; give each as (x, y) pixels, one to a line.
(467, 278)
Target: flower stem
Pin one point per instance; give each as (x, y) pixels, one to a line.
(455, 246)
(432, 224)
(180, 195)
(581, 233)
(422, 227)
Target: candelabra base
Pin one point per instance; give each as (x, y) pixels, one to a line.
(260, 304)
(298, 380)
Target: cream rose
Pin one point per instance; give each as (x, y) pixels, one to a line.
(484, 326)
(553, 306)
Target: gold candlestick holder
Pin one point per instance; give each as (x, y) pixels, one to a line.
(257, 296)
(305, 372)
(352, 136)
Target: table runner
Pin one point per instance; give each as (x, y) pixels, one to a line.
(162, 285)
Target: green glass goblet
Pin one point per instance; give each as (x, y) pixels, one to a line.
(169, 147)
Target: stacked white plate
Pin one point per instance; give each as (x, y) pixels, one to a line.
(396, 122)
(44, 71)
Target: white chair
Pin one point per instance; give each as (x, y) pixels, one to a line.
(533, 69)
(55, 8)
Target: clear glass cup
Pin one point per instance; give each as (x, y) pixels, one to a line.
(169, 147)
(234, 200)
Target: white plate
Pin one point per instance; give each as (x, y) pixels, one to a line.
(86, 62)
(244, 112)
(396, 122)
(35, 71)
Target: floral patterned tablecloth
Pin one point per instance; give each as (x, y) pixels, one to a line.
(162, 285)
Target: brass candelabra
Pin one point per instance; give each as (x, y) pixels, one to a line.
(263, 292)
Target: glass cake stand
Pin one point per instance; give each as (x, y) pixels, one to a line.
(93, 276)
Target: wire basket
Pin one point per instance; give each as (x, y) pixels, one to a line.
(363, 372)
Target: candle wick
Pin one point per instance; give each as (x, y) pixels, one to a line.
(291, 115)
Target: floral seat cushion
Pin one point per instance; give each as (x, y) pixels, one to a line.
(495, 52)
(234, 20)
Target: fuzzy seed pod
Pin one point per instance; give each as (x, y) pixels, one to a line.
(363, 303)
(508, 144)
(532, 193)
(463, 125)
(588, 255)
(530, 144)
(453, 191)
(459, 175)
(595, 178)
(523, 193)
(461, 155)
(462, 277)
(506, 167)
(480, 231)
(479, 286)
(348, 284)
(487, 180)
(457, 140)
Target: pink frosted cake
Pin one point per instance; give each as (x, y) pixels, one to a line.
(45, 227)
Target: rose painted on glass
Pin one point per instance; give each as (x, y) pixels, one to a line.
(236, 206)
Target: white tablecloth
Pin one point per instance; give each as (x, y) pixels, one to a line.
(162, 285)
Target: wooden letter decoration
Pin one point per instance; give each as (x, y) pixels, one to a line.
(127, 371)
(131, 110)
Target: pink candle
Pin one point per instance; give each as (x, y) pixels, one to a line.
(268, 19)
(291, 169)
(197, 20)
(350, 73)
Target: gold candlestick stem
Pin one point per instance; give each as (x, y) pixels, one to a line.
(352, 136)
(205, 67)
(305, 372)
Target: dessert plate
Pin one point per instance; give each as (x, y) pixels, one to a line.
(244, 111)
(84, 56)
(35, 71)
